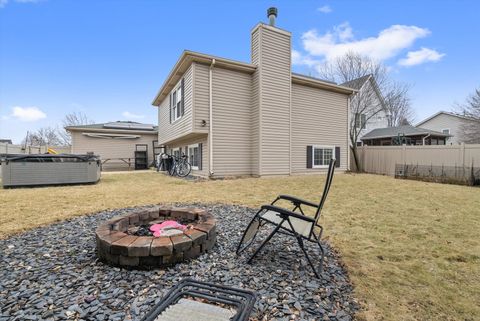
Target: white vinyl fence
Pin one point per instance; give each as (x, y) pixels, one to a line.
(383, 159)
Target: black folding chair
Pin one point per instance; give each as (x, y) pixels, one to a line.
(291, 222)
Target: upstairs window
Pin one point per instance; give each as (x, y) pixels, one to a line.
(360, 120)
(177, 102)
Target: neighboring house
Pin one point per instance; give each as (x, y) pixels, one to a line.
(235, 118)
(6, 141)
(400, 135)
(448, 123)
(114, 142)
(367, 89)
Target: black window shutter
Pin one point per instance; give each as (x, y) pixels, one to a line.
(200, 153)
(183, 97)
(309, 156)
(170, 107)
(337, 156)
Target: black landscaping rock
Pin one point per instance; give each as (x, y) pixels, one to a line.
(52, 273)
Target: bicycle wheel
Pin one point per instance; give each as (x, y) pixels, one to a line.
(183, 169)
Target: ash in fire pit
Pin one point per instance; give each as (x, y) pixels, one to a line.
(156, 237)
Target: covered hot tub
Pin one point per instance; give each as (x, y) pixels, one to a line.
(46, 169)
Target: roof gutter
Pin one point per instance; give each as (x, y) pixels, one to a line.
(210, 111)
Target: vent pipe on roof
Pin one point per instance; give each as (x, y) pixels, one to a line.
(272, 13)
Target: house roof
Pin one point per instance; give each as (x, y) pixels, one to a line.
(8, 141)
(117, 126)
(320, 83)
(357, 83)
(445, 113)
(188, 57)
(406, 130)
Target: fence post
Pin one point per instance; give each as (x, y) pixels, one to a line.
(462, 153)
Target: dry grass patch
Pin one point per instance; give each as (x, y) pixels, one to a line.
(412, 248)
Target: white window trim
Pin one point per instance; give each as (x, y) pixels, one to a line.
(321, 147)
(175, 111)
(188, 154)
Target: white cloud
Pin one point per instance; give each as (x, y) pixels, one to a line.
(3, 3)
(28, 114)
(339, 41)
(325, 9)
(128, 114)
(421, 56)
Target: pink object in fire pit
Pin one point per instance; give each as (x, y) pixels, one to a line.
(159, 229)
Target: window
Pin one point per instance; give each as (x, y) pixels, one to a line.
(360, 120)
(194, 156)
(322, 156)
(176, 152)
(447, 132)
(176, 103)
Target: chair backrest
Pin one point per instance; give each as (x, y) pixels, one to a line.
(328, 183)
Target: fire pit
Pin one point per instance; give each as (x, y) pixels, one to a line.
(156, 237)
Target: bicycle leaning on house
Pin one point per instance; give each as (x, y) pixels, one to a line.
(174, 165)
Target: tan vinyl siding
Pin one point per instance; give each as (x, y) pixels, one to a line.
(111, 148)
(231, 123)
(274, 52)
(319, 117)
(168, 132)
(255, 118)
(201, 98)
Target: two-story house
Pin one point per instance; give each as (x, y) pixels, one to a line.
(371, 116)
(258, 118)
(448, 123)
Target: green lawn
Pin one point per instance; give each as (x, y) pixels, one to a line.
(412, 249)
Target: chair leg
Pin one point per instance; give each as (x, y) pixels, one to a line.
(300, 242)
(264, 242)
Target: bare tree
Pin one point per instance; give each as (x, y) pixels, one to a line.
(398, 104)
(43, 136)
(470, 129)
(376, 93)
(353, 70)
(72, 119)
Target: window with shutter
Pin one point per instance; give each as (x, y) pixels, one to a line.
(321, 156)
(177, 102)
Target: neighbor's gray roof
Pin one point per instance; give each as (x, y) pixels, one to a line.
(8, 141)
(401, 130)
(445, 113)
(108, 126)
(356, 83)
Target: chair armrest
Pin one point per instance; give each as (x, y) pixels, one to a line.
(285, 213)
(294, 199)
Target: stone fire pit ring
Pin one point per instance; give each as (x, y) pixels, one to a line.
(118, 246)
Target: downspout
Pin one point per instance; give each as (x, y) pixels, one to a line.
(425, 138)
(210, 110)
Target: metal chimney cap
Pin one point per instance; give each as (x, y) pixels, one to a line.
(272, 11)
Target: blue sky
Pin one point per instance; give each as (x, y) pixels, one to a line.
(109, 58)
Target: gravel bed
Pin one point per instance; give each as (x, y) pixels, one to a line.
(52, 273)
